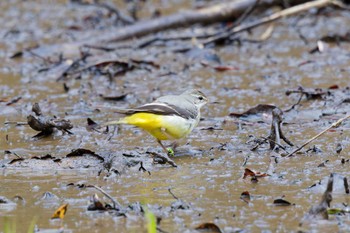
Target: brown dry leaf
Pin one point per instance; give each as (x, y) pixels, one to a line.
(281, 202)
(60, 212)
(249, 172)
(208, 227)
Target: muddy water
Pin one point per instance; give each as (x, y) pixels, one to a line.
(209, 176)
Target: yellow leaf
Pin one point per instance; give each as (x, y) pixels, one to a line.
(60, 212)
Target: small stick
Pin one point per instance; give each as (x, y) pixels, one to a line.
(15, 123)
(268, 139)
(115, 202)
(172, 194)
(346, 185)
(334, 125)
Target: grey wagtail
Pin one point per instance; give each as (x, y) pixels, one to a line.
(169, 117)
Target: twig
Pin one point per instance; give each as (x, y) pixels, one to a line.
(297, 103)
(115, 202)
(278, 144)
(172, 194)
(290, 11)
(346, 185)
(245, 14)
(15, 123)
(334, 125)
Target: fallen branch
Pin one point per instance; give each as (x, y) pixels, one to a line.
(216, 13)
(334, 125)
(268, 19)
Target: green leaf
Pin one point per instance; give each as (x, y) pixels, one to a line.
(151, 221)
(335, 211)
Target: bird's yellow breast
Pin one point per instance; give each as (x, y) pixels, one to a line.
(160, 126)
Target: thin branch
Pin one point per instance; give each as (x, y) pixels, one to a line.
(334, 125)
(278, 144)
(172, 194)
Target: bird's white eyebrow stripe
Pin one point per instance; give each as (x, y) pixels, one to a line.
(164, 109)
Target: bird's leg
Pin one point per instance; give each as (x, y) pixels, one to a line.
(168, 150)
(166, 158)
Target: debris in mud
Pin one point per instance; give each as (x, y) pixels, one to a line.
(47, 125)
(339, 148)
(60, 212)
(161, 159)
(178, 204)
(96, 204)
(143, 169)
(114, 98)
(208, 227)
(253, 174)
(276, 133)
(12, 101)
(78, 158)
(82, 151)
(320, 211)
(281, 202)
(259, 109)
(4, 200)
(107, 67)
(309, 93)
(115, 204)
(323, 164)
(245, 196)
(334, 125)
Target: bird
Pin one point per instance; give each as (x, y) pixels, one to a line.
(169, 117)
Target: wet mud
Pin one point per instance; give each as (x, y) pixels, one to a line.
(302, 68)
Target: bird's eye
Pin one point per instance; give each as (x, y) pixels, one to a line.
(200, 98)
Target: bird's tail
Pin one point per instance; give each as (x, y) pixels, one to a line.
(117, 122)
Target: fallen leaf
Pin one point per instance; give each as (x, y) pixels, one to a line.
(249, 172)
(281, 202)
(114, 98)
(60, 212)
(208, 227)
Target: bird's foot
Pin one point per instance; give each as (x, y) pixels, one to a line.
(170, 151)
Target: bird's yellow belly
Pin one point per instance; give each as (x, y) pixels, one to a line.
(161, 127)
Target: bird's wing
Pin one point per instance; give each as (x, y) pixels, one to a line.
(160, 108)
